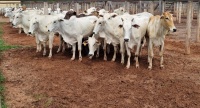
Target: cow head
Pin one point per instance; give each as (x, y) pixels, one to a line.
(17, 19)
(127, 21)
(120, 11)
(93, 45)
(34, 25)
(167, 21)
(98, 25)
(54, 26)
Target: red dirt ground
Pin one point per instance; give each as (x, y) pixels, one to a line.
(34, 81)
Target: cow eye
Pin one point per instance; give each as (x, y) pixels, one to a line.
(17, 17)
(167, 18)
(100, 23)
(120, 26)
(54, 22)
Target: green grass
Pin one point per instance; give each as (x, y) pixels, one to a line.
(3, 47)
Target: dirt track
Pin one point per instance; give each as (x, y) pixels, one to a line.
(36, 81)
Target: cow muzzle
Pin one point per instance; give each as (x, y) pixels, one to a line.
(90, 56)
(126, 40)
(174, 30)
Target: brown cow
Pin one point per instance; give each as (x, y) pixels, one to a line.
(157, 28)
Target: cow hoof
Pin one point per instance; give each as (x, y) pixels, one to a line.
(113, 60)
(161, 66)
(97, 56)
(49, 57)
(127, 67)
(137, 66)
(80, 59)
(105, 59)
(58, 51)
(149, 68)
(72, 59)
(122, 62)
(90, 57)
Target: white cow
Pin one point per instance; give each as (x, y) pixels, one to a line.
(23, 19)
(111, 25)
(90, 10)
(135, 27)
(74, 30)
(39, 26)
(120, 11)
(94, 43)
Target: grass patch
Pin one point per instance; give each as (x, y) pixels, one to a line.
(2, 79)
(3, 47)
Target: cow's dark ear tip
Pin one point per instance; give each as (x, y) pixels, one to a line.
(162, 17)
(60, 20)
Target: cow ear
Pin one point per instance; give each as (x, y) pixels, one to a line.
(113, 16)
(100, 15)
(162, 17)
(98, 43)
(136, 26)
(60, 20)
(85, 42)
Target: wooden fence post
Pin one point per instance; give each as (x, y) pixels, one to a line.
(140, 4)
(151, 7)
(136, 8)
(179, 13)
(192, 12)
(45, 8)
(163, 6)
(189, 13)
(77, 7)
(198, 23)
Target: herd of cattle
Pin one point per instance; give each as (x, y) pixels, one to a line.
(97, 28)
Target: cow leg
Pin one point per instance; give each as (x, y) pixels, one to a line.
(150, 54)
(60, 45)
(20, 30)
(74, 51)
(63, 46)
(104, 49)
(122, 50)
(161, 54)
(51, 36)
(129, 56)
(44, 51)
(38, 47)
(115, 53)
(144, 42)
(137, 54)
(97, 55)
(80, 47)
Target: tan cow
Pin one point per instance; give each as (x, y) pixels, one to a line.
(157, 28)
